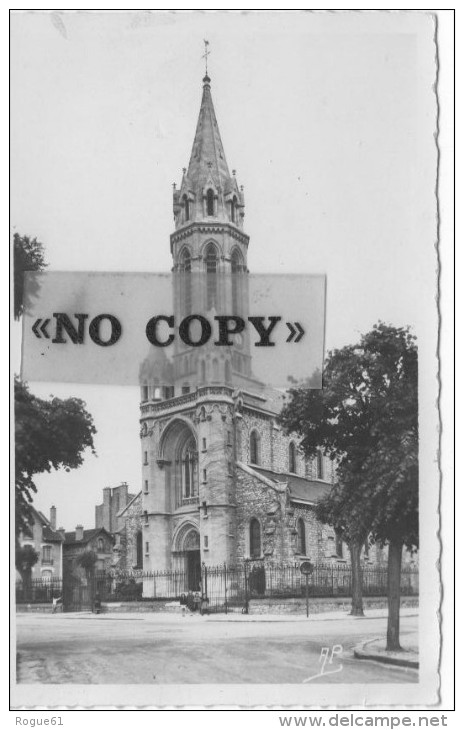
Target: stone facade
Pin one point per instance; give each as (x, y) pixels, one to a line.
(114, 501)
(221, 481)
(79, 540)
(129, 546)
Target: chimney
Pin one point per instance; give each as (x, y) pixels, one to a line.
(79, 533)
(62, 532)
(53, 517)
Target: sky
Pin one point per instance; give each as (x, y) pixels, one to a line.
(327, 118)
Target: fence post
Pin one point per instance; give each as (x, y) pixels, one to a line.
(205, 580)
(225, 587)
(245, 571)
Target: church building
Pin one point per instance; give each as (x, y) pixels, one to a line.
(221, 481)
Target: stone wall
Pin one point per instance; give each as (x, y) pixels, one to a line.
(127, 544)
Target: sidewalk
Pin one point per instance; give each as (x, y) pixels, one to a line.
(221, 617)
(375, 650)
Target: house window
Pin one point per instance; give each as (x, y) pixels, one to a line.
(254, 448)
(146, 486)
(320, 465)
(366, 549)
(185, 389)
(147, 548)
(203, 441)
(169, 391)
(47, 554)
(145, 458)
(255, 538)
(139, 550)
(338, 545)
(204, 475)
(144, 392)
(292, 457)
(209, 202)
(146, 516)
(100, 545)
(301, 537)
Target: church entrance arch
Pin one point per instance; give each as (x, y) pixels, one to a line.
(187, 548)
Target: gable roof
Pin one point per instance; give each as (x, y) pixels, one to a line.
(133, 498)
(70, 537)
(48, 533)
(301, 489)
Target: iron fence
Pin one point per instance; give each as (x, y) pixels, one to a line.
(38, 590)
(223, 588)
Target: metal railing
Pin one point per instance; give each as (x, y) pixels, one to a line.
(225, 587)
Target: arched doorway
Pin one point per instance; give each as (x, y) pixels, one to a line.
(193, 559)
(187, 549)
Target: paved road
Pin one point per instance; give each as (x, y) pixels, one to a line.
(171, 649)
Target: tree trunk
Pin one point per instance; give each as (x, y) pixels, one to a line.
(357, 608)
(395, 550)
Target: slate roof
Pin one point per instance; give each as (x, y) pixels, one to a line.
(70, 537)
(301, 489)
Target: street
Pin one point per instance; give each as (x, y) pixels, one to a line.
(175, 649)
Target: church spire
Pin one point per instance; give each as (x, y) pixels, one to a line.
(208, 190)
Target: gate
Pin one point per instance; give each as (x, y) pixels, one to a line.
(77, 593)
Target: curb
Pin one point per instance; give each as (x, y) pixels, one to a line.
(360, 652)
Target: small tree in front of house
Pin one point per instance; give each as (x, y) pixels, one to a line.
(25, 558)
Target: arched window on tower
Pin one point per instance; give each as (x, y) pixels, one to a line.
(186, 204)
(236, 266)
(211, 259)
(209, 202)
(185, 269)
(292, 457)
(189, 462)
(255, 538)
(301, 537)
(233, 209)
(254, 448)
(227, 372)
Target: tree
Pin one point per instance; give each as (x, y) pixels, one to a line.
(25, 558)
(28, 255)
(365, 417)
(49, 434)
(87, 561)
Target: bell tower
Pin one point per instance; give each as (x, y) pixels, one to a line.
(209, 250)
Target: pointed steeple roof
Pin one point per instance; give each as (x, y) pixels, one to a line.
(208, 192)
(208, 160)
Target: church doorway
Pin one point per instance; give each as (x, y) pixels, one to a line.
(193, 570)
(188, 551)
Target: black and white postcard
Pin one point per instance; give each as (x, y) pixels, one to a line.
(225, 237)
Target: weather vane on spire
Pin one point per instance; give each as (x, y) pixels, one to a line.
(205, 56)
